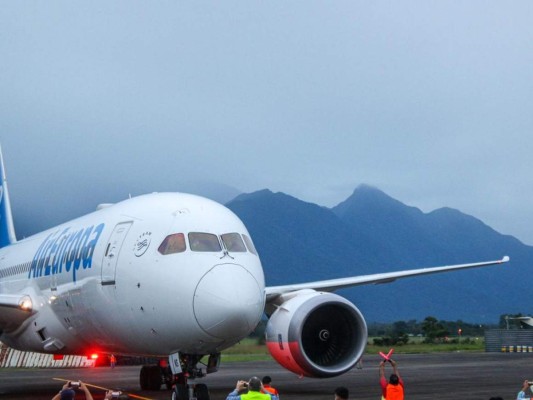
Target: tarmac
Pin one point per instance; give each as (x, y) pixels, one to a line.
(443, 376)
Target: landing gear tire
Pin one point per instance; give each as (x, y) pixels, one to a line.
(180, 392)
(144, 378)
(155, 377)
(201, 391)
(150, 377)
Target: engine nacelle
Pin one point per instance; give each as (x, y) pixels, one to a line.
(316, 334)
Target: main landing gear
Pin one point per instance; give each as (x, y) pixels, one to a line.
(153, 376)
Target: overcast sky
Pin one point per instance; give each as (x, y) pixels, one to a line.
(430, 101)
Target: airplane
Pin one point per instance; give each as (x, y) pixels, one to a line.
(176, 277)
(525, 322)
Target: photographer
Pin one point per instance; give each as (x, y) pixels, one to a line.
(251, 390)
(525, 393)
(69, 391)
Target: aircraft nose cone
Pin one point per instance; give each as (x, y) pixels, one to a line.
(228, 302)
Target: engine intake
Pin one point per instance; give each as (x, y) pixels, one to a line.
(317, 334)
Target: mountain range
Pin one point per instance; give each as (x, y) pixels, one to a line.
(371, 232)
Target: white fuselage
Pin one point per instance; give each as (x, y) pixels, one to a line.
(101, 282)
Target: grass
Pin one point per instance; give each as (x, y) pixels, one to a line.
(416, 346)
(250, 350)
(247, 350)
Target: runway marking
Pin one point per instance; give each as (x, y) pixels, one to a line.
(103, 388)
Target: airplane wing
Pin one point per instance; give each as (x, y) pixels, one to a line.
(14, 310)
(524, 320)
(331, 285)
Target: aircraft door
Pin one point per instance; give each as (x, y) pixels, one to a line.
(109, 263)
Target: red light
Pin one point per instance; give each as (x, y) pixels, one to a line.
(94, 356)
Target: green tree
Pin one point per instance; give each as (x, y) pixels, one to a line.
(394, 335)
(399, 333)
(434, 330)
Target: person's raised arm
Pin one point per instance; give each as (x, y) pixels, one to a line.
(522, 393)
(395, 368)
(85, 389)
(58, 396)
(239, 387)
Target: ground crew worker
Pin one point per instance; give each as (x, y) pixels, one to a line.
(251, 390)
(393, 389)
(267, 380)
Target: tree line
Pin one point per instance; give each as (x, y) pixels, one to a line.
(434, 330)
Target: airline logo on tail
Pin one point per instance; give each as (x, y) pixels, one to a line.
(4, 237)
(4, 232)
(7, 231)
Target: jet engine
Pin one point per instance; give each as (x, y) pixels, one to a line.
(316, 334)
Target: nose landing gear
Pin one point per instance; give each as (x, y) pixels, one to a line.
(153, 376)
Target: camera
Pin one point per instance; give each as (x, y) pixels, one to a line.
(74, 384)
(115, 394)
(530, 383)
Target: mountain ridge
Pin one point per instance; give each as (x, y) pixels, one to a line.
(371, 232)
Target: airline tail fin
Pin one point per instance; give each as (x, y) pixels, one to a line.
(7, 229)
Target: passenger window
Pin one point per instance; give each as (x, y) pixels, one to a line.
(204, 242)
(233, 242)
(249, 244)
(174, 243)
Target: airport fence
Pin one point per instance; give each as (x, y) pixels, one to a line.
(11, 358)
(509, 340)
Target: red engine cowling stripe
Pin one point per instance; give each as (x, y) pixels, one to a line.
(283, 354)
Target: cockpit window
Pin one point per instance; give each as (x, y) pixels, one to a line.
(204, 242)
(174, 243)
(233, 242)
(249, 244)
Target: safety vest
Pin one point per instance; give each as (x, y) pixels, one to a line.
(253, 395)
(270, 389)
(394, 392)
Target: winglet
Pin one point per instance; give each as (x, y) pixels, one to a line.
(7, 229)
